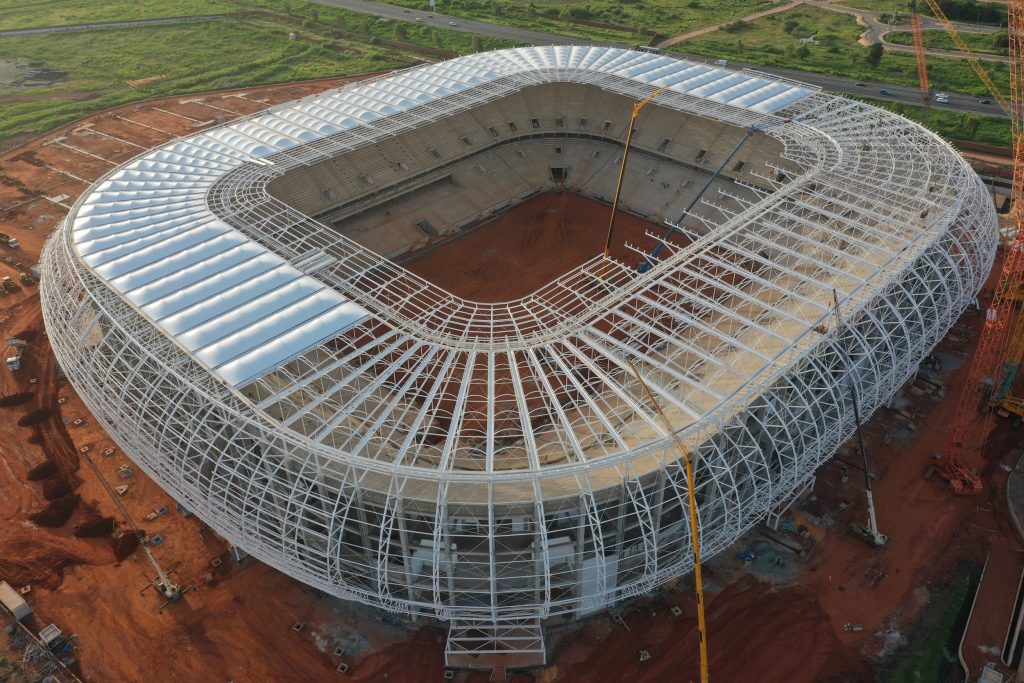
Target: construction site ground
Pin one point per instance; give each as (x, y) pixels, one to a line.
(530, 245)
(842, 613)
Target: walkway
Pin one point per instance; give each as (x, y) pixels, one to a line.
(711, 29)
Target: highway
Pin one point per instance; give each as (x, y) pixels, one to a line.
(898, 93)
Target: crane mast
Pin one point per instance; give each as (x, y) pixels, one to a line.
(993, 367)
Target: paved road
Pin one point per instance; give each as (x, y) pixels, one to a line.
(898, 93)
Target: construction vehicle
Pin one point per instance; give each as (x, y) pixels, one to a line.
(9, 284)
(14, 362)
(994, 365)
(161, 583)
(1011, 406)
(870, 532)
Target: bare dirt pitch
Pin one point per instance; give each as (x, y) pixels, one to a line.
(530, 245)
(776, 625)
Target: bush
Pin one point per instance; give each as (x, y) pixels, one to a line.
(735, 26)
(790, 25)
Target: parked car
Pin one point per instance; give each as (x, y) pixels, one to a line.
(858, 83)
(453, 23)
(986, 101)
(883, 91)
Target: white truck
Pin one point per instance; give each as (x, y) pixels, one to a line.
(13, 602)
(14, 361)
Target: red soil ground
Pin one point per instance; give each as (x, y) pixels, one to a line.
(530, 245)
(238, 625)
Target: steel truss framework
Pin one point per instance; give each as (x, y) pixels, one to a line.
(498, 464)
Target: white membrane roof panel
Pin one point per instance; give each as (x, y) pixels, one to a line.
(241, 310)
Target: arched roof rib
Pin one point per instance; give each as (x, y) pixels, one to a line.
(148, 218)
(188, 235)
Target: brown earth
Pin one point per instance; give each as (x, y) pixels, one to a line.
(530, 245)
(759, 633)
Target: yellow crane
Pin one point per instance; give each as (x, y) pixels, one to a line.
(637, 106)
(680, 446)
(698, 584)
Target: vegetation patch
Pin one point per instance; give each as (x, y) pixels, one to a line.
(935, 632)
(818, 40)
(997, 43)
(988, 130)
(33, 13)
(957, 10)
(608, 20)
(195, 57)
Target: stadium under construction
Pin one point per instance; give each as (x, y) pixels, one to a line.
(240, 309)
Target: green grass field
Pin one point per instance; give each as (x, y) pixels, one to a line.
(773, 41)
(667, 17)
(33, 13)
(322, 20)
(970, 11)
(940, 40)
(195, 57)
(988, 130)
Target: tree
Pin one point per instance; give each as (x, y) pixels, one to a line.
(897, 108)
(495, 9)
(803, 52)
(478, 45)
(874, 56)
(531, 9)
(314, 14)
(969, 125)
(400, 32)
(790, 25)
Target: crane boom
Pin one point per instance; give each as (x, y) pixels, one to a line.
(637, 106)
(922, 66)
(993, 368)
(969, 54)
(698, 581)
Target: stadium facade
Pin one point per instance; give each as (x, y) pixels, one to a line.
(231, 307)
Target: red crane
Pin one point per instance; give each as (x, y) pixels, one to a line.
(989, 365)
